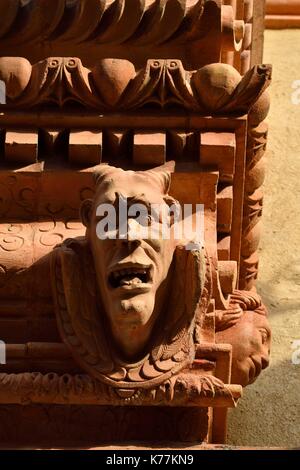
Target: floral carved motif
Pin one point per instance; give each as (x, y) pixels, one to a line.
(114, 85)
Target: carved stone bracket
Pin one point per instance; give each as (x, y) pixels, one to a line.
(158, 103)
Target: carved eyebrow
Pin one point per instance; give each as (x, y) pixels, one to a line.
(113, 199)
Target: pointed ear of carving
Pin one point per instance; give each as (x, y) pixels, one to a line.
(85, 212)
(168, 166)
(162, 174)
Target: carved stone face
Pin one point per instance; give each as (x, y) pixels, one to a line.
(250, 339)
(132, 273)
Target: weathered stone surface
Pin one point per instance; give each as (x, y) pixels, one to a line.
(135, 105)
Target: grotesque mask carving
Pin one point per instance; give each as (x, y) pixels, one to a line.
(112, 291)
(133, 273)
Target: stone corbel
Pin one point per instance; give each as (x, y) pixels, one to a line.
(194, 347)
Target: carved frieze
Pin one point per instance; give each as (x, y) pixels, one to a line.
(183, 390)
(137, 22)
(115, 85)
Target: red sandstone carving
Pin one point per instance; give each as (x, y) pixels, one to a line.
(246, 328)
(114, 85)
(132, 318)
(119, 22)
(231, 29)
(100, 99)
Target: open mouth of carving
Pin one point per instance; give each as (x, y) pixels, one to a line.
(127, 277)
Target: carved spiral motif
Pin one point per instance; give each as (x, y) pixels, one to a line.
(11, 239)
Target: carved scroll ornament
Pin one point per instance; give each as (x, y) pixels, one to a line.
(137, 22)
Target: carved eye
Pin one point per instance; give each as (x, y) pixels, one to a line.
(264, 335)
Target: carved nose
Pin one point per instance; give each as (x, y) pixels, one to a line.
(130, 240)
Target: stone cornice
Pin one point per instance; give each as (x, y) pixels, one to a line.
(114, 85)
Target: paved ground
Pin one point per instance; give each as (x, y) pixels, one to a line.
(269, 414)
